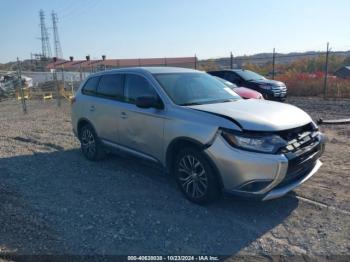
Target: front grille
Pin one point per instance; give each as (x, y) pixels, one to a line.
(299, 139)
(300, 166)
(297, 171)
(279, 90)
(303, 149)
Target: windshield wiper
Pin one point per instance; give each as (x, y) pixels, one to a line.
(227, 100)
(255, 79)
(209, 102)
(191, 104)
(221, 101)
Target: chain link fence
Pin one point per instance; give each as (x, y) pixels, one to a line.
(324, 74)
(64, 77)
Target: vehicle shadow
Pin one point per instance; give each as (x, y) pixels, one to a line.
(60, 203)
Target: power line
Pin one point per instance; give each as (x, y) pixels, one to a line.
(89, 5)
(67, 7)
(76, 5)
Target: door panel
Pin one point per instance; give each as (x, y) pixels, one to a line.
(106, 119)
(140, 129)
(106, 109)
(87, 100)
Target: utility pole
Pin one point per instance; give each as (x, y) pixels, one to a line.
(56, 81)
(72, 85)
(45, 43)
(88, 60)
(231, 60)
(80, 72)
(104, 61)
(19, 74)
(326, 74)
(63, 79)
(273, 63)
(195, 61)
(57, 43)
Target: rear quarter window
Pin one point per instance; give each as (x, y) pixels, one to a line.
(91, 86)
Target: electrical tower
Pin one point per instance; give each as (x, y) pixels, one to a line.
(45, 43)
(57, 44)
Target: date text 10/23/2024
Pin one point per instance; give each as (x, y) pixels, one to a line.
(173, 258)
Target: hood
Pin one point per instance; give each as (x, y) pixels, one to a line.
(259, 115)
(247, 93)
(268, 82)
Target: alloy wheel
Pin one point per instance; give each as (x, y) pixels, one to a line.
(88, 143)
(192, 176)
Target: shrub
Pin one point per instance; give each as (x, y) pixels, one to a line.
(305, 84)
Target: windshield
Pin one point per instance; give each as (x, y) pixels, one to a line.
(249, 75)
(195, 88)
(225, 82)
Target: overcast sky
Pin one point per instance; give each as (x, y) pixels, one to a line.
(164, 28)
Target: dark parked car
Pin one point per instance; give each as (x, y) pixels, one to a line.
(270, 89)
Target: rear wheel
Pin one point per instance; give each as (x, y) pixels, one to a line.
(90, 143)
(196, 177)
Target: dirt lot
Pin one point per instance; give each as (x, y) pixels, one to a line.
(53, 201)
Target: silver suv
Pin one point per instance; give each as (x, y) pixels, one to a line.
(199, 130)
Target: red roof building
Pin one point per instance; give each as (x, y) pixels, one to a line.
(96, 65)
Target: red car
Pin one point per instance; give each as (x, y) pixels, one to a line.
(243, 92)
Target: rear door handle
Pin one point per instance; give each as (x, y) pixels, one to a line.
(92, 108)
(123, 115)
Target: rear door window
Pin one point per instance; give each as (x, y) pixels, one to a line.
(111, 86)
(91, 86)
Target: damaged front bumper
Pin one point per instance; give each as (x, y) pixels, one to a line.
(281, 191)
(264, 176)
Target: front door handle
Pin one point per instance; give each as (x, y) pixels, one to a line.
(92, 108)
(123, 115)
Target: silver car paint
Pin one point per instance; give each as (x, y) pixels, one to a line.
(149, 132)
(260, 115)
(249, 165)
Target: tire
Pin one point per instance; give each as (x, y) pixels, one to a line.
(90, 144)
(267, 97)
(196, 177)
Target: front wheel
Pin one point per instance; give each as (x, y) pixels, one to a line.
(196, 177)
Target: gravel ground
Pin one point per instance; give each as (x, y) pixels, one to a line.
(53, 201)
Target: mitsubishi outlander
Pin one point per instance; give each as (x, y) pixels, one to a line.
(205, 135)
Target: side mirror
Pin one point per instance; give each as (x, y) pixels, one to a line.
(148, 102)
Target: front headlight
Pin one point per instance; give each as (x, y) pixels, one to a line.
(258, 143)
